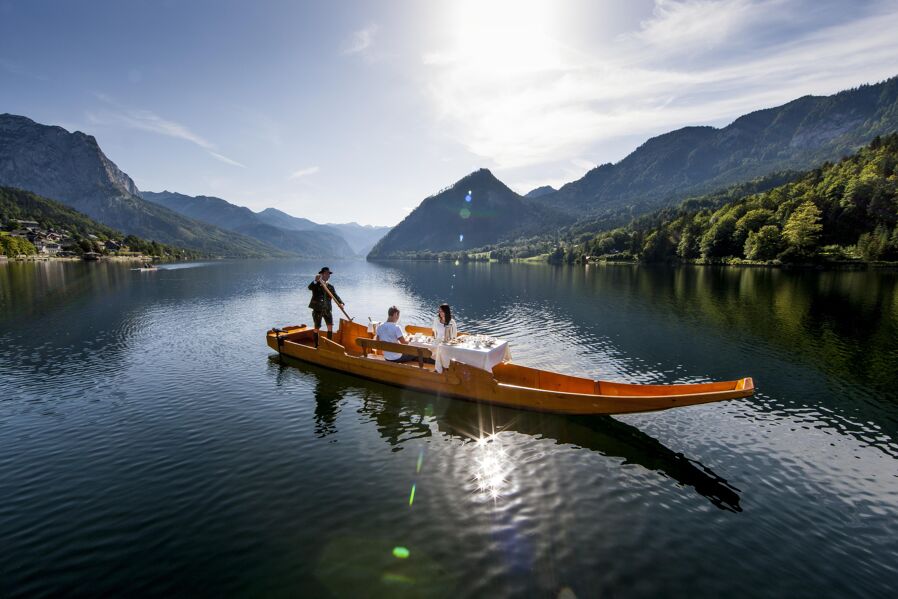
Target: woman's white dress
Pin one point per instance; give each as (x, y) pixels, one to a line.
(439, 330)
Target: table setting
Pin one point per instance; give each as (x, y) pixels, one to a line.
(481, 351)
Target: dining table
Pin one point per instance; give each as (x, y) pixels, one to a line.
(474, 351)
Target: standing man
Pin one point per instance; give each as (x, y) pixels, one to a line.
(321, 301)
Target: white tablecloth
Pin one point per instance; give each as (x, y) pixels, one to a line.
(483, 358)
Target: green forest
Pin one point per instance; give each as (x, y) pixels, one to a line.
(847, 211)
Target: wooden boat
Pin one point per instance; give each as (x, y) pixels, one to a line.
(353, 351)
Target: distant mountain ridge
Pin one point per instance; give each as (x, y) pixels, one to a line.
(540, 191)
(475, 211)
(315, 242)
(361, 238)
(277, 218)
(795, 136)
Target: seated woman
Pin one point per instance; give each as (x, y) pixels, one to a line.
(444, 327)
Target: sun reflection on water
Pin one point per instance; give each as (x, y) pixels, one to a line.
(492, 466)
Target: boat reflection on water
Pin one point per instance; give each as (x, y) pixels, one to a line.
(602, 434)
(402, 415)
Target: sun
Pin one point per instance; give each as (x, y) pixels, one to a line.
(503, 37)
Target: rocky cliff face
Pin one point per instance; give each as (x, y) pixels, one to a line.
(72, 169)
(54, 163)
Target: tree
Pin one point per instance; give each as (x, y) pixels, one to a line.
(803, 229)
(717, 242)
(750, 221)
(16, 246)
(657, 247)
(557, 257)
(873, 246)
(764, 244)
(688, 247)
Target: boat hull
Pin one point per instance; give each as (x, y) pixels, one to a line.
(509, 384)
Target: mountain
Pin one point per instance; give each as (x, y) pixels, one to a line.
(71, 168)
(694, 160)
(317, 241)
(207, 209)
(361, 238)
(540, 191)
(839, 211)
(276, 218)
(476, 211)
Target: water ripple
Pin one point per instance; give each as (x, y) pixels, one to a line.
(149, 445)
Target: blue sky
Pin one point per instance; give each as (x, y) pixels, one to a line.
(341, 111)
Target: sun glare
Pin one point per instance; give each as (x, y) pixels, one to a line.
(506, 37)
(491, 466)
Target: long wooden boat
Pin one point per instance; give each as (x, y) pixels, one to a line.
(353, 351)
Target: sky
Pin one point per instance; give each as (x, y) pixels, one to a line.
(358, 110)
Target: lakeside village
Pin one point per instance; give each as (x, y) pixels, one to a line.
(28, 240)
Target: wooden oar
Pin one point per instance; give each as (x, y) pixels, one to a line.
(339, 305)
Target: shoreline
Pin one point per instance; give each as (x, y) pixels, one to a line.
(840, 265)
(75, 259)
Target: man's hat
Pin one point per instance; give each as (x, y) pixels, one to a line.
(325, 270)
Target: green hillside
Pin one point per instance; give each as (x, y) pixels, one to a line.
(17, 204)
(840, 211)
(693, 160)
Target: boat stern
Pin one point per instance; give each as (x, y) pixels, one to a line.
(275, 337)
(747, 386)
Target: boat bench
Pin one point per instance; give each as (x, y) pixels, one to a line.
(369, 345)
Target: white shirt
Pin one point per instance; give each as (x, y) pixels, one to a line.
(439, 330)
(389, 331)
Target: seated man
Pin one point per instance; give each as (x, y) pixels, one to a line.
(390, 331)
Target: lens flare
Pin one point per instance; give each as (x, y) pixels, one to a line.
(465, 213)
(401, 552)
(461, 237)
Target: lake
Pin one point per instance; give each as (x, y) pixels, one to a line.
(150, 443)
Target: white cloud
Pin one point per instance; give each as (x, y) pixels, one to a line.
(145, 120)
(304, 172)
(360, 41)
(225, 159)
(515, 96)
(683, 25)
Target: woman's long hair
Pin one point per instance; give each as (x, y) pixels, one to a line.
(447, 313)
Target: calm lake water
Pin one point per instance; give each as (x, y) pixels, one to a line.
(151, 444)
